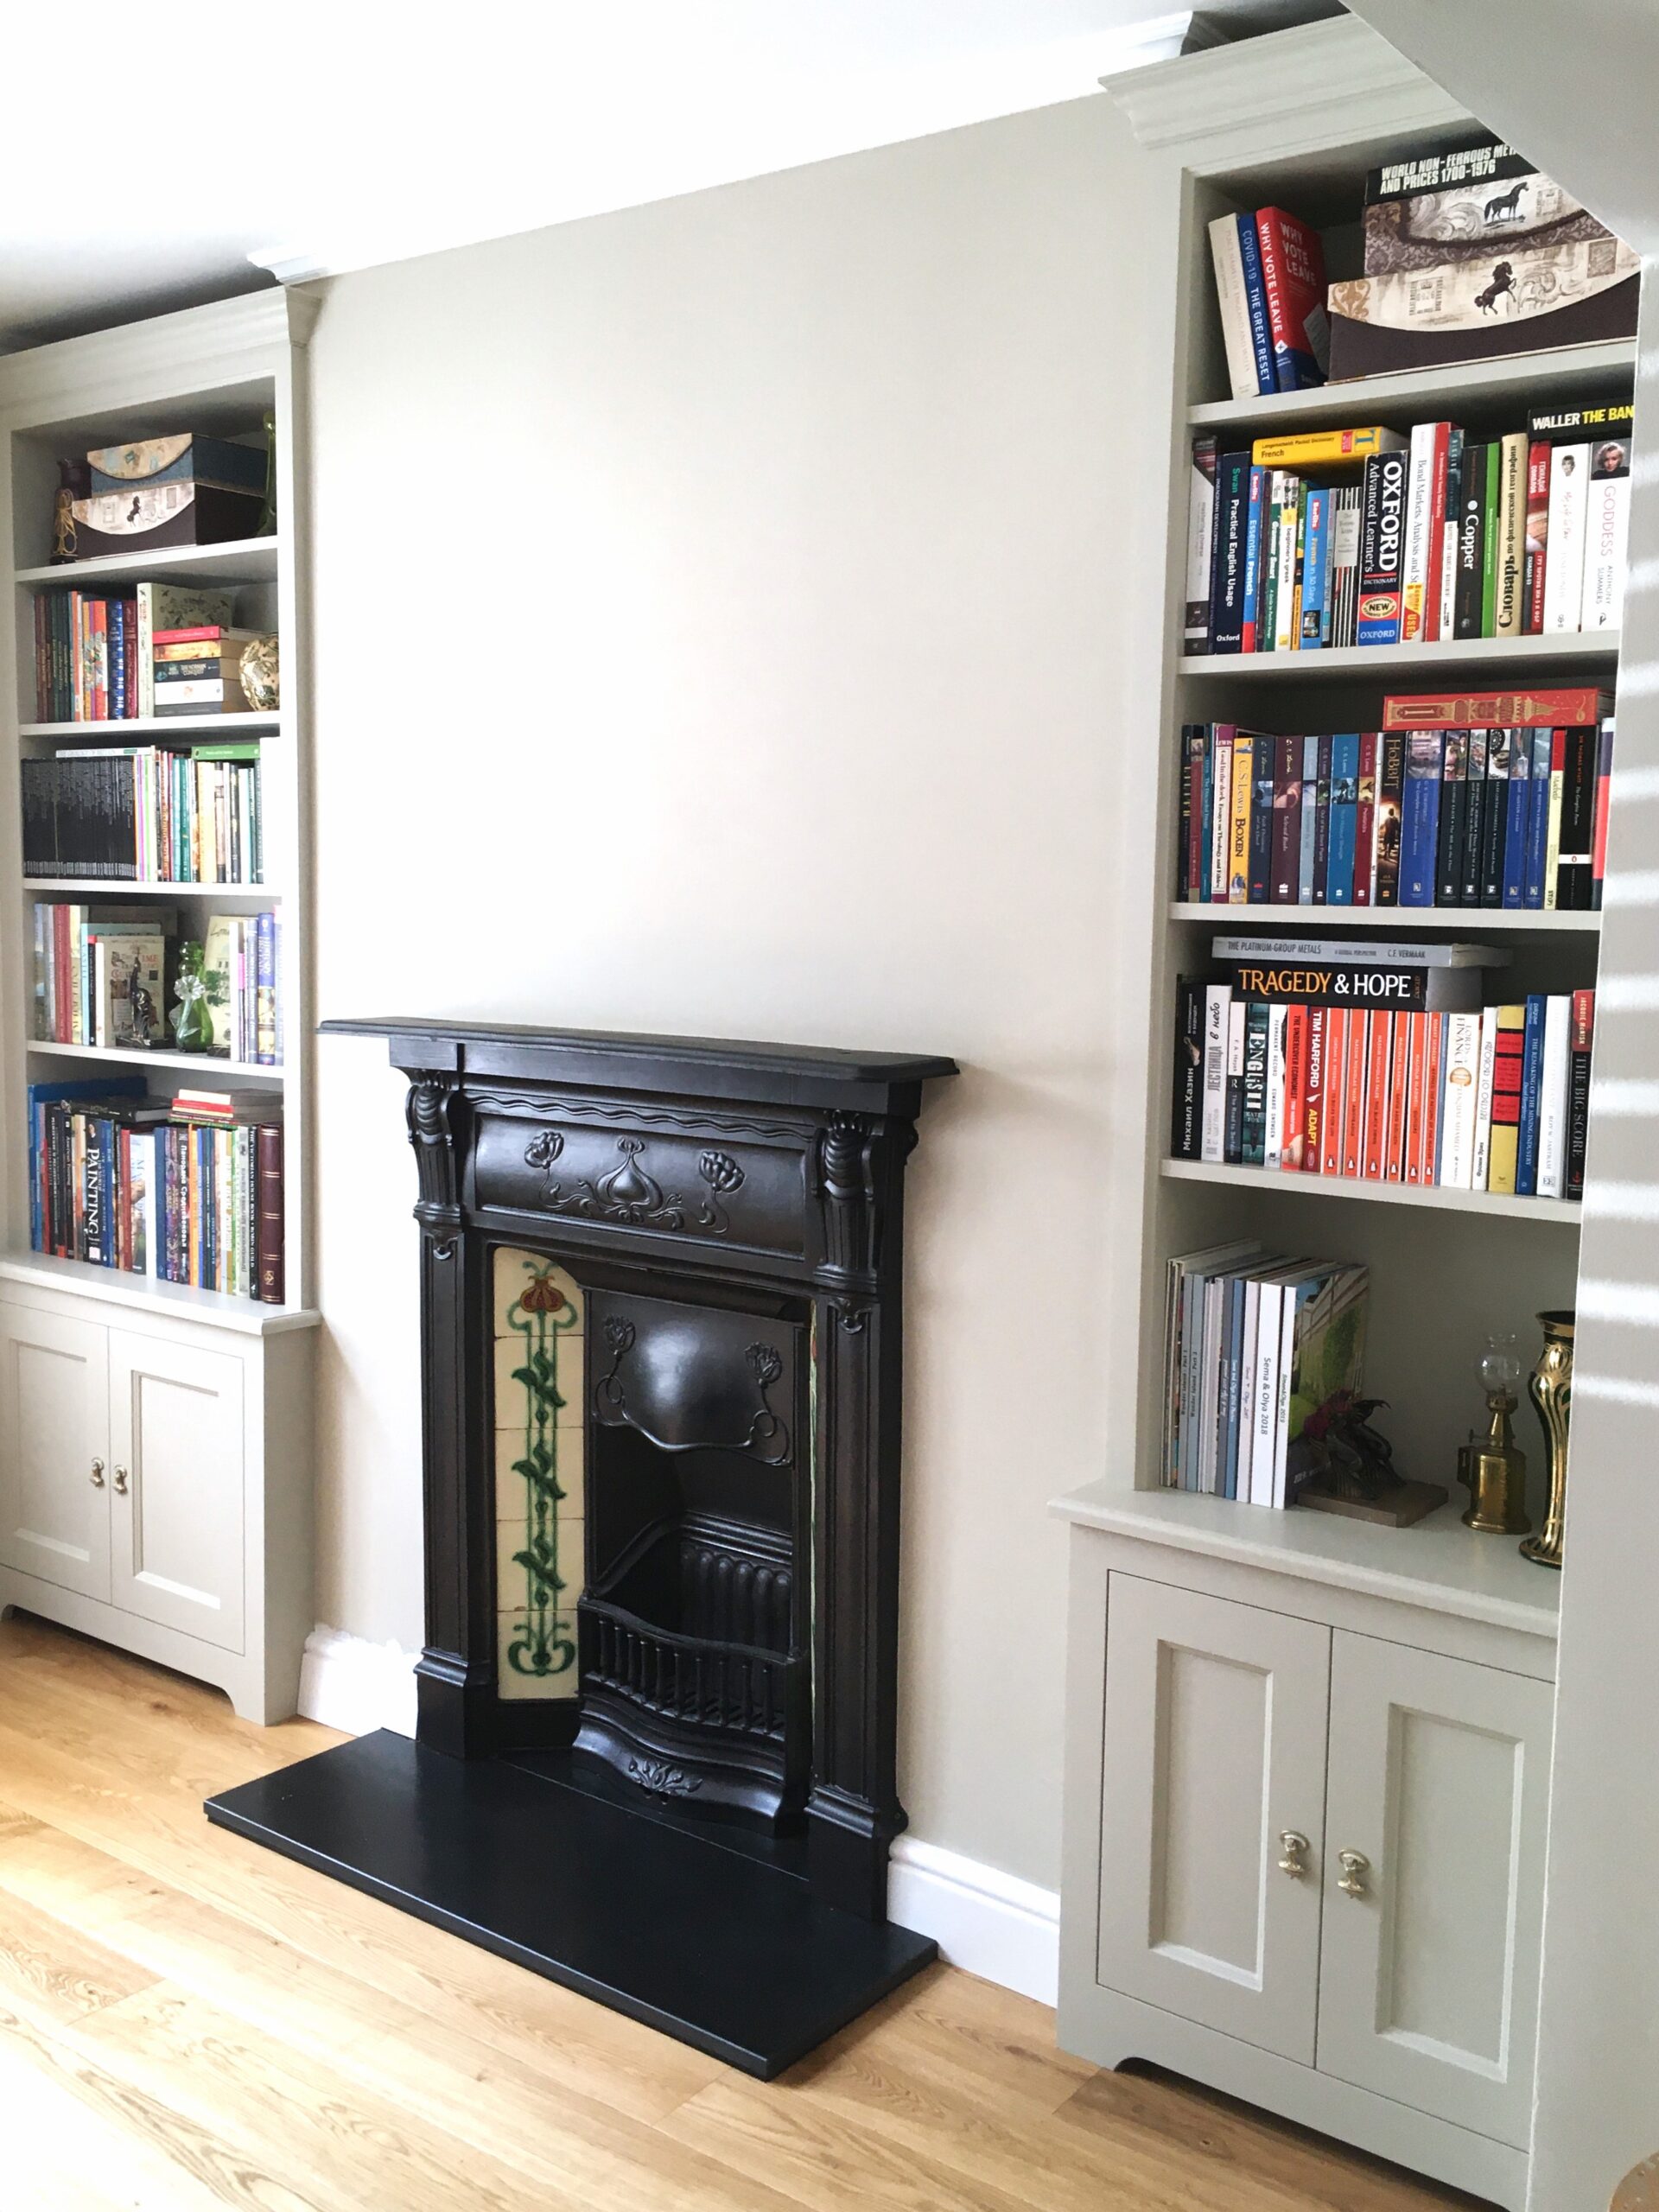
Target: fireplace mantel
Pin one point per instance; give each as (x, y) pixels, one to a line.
(718, 1228)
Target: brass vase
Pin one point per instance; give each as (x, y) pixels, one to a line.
(1551, 1391)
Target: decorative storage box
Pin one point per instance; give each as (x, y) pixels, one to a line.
(1473, 254)
(142, 517)
(186, 458)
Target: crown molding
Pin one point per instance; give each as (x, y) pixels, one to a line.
(220, 342)
(1290, 92)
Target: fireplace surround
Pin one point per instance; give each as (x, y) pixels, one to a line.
(661, 1341)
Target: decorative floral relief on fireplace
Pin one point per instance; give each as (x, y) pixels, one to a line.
(539, 1331)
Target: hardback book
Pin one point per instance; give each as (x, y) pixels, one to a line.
(1326, 449)
(1575, 854)
(1537, 534)
(1226, 252)
(1382, 953)
(1580, 1041)
(1569, 495)
(1518, 810)
(1453, 747)
(1508, 608)
(1606, 527)
(1472, 544)
(1365, 821)
(1200, 542)
(1419, 819)
(1507, 1052)
(1293, 277)
(1474, 816)
(1405, 710)
(1281, 980)
(1390, 808)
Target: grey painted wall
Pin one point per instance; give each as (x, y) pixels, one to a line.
(720, 609)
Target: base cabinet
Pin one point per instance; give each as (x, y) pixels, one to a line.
(1313, 1856)
(155, 1490)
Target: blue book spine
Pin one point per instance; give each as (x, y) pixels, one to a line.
(1516, 822)
(1227, 576)
(1201, 889)
(1261, 825)
(264, 978)
(1256, 296)
(1537, 818)
(36, 1205)
(1344, 809)
(1419, 819)
(1254, 501)
(1316, 560)
(1532, 1072)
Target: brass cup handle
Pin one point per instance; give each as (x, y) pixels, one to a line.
(98, 1474)
(120, 1482)
(1355, 1868)
(1295, 1848)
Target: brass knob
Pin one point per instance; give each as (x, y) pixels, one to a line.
(120, 1482)
(1355, 1868)
(98, 1474)
(1294, 1846)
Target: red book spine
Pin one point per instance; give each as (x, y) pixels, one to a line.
(1394, 1164)
(205, 632)
(1432, 1077)
(1318, 1076)
(100, 611)
(1365, 819)
(268, 1203)
(1295, 1136)
(1604, 795)
(1375, 1148)
(1353, 1102)
(1532, 605)
(1415, 1095)
(1335, 1078)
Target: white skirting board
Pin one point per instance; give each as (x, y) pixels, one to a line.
(985, 1921)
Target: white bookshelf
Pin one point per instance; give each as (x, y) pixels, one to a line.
(1416, 394)
(203, 1561)
(1421, 665)
(1470, 923)
(1565, 1213)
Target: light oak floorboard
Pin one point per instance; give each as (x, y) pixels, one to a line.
(187, 2021)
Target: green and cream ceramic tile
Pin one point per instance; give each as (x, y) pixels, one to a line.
(538, 1393)
(536, 1658)
(570, 1445)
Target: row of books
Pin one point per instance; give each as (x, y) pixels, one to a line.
(1513, 818)
(161, 651)
(147, 814)
(1270, 285)
(1257, 1345)
(1363, 537)
(1293, 1067)
(186, 1191)
(102, 976)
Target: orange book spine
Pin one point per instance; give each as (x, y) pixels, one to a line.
(1353, 1102)
(1432, 1069)
(1416, 1074)
(1394, 1164)
(1376, 1095)
(1319, 1080)
(1335, 1077)
(1295, 1138)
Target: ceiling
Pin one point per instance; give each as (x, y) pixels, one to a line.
(318, 137)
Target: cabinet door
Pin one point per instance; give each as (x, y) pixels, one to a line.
(1428, 1985)
(176, 1475)
(55, 1499)
(1214, 1773)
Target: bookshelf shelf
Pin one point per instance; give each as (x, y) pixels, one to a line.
(146, 729)
(1468, 922)
(91, 890)
(1456, 654)
(1561, 1211)
(174, 1301)
(1397, 401)
(243, 560)
(136, 1057)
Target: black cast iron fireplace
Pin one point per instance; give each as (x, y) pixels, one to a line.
(660, 1315)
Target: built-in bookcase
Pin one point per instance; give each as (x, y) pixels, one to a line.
(1445, 1266)
(219, 371)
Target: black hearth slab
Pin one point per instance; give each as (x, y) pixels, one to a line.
(736, 1959)
(571, 1769)
(698, 1067)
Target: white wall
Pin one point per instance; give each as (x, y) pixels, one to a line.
(721, 613)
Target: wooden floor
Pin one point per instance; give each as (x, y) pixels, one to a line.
(187, 2021)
